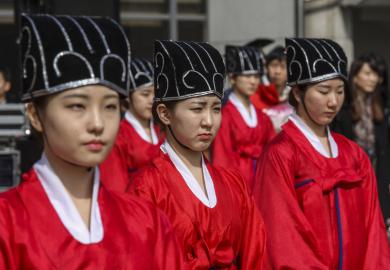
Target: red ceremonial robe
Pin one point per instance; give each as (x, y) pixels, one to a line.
(129, 153)
(136, 236)
(239, 146)
(228, 236)
(319, 212)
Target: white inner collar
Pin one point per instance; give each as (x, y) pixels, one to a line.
(210, 200)
(313, 139)
(249, 118)
(65, 208)
(130, 118)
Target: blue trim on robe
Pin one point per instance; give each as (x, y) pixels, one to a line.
(339, 228)
(302, 183)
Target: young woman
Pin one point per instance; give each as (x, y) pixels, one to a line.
(363, 119)
(316, 189)
(138, 140)
(215, 219)
(245, 130)
(60, 217)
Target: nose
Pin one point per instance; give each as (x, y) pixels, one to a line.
(332, 100)
(95, 122)
(207, 119)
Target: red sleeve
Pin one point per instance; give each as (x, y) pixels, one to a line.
(167, 249)
(269, 128)
(142, 186)
(222, 148)
(291, 243)
(377, 254)
(114, 170)
(252, 249)
(7, 258)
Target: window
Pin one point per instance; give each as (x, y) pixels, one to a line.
(147, 20)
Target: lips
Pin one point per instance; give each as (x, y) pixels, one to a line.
(205, 136)
(95, 145)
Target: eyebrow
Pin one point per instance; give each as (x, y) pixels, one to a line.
(199, 102)
(329, 87)
(83, 96)
(76, 96)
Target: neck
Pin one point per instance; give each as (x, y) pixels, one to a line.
(243, 99)
(192, 159)
(319, 130)
(145, 123)
(280, 89)
(77, 180)
(361, 94)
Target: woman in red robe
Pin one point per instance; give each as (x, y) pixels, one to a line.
(245, 130)
(60, 216)
(210, 207)
(138, 140)
(316, 189)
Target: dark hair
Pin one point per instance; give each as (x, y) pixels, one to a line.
(302, 91)
(40, 104)
(169, 104)
(276, 53)
(6, 72)
(374, 63)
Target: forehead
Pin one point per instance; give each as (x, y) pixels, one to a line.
(203, 99)
(90, 91)
(331, 83)
(277, 61)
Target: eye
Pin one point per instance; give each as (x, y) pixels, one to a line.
(112, 107)
(76, 107)
(217, 109)
(196, 109)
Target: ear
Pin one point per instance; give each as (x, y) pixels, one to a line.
(232, 79)
(33, 117)
(297, 96)
(164, 114)
(7, 87)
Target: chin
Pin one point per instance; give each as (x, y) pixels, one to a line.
(200, 147)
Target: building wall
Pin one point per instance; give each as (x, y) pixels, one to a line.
(237, 22)
(328, 19)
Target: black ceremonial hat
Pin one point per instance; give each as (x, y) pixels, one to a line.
(64, 52)
(311, 60)
(187, 69)
(141, 73)
(244, 60)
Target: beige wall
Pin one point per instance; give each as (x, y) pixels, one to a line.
(237, 22)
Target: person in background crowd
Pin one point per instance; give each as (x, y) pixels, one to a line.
(317, 189)
(60, 216)
(138, 140)
(214, 216)
(5, 83)
(272, 98)
(363, 118)
(244, 130)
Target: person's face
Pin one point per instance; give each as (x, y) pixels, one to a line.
(141, 102)
(79, 125)
(366, 79)
(194, 121)
(277, 72)
(245, 84)
(322, 100)
(4, 85)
